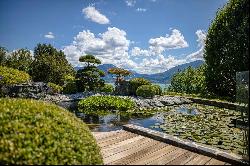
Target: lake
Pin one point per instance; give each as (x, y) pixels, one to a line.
(163, 86)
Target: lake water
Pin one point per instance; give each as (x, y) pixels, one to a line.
(163, 86)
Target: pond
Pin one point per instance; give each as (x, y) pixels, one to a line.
(203, 124)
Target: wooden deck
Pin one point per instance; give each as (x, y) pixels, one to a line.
(126, 148)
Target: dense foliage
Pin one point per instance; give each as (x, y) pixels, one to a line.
(35, 132)
(157, 88)
(227, 47)
(20, 59)
(189, 81)
(107, 88)
(69, 86)
(11, 76)
(50, 65)
(135, 83)
(146, 91)
(3, 53)
(88, 78)
(99, 103)
(55, 88)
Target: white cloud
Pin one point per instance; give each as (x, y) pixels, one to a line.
(130, 3)
(141, 10)
(198, 55)
(110, 47)
(94, 15)
(136, 51)
(50, 35)
(158, 45)
(174, 41)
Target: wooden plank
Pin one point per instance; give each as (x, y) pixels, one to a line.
(104, 134)
(215, 162)
(116, 139)
(134, 149)
(112, 136)
(182, 159)
(128, 145)
(122, 143)
(149, 159)
(199, 160)
(109, 134)
(137, 155)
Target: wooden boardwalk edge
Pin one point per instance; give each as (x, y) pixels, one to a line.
(185, 144)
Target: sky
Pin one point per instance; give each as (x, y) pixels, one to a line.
(146, 36)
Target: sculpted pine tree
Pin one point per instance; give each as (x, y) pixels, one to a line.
(88, 78)
(121, 86)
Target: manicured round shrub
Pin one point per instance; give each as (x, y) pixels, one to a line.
(96, 103)
(107, 88)
(55, 88)
(146, 91)
(135, 83)
(36, 132)
(158, 90)
(10, 76)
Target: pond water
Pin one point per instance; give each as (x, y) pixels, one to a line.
(203, 124)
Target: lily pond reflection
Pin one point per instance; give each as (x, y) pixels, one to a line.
(200, 123)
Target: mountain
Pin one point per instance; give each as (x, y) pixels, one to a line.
(164, 77)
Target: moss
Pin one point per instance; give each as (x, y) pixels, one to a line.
(35, 132)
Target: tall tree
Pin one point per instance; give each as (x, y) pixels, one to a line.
(50, 65)
(20, 59)
(227, 48)
(3, 52)
(88, 78)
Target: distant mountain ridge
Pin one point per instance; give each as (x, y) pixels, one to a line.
(163, 78)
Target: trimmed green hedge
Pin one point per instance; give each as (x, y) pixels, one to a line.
(146, 91)
(55, 88)
(12, 76)
(96, 103)
(107, 88)
(135, 83)
(35, 132)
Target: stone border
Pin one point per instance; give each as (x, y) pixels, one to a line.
(220, 104)
(185, 144)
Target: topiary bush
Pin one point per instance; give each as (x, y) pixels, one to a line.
(135, 83)
(99, 103)
(158, 90)
(36, 132)
(146, 91)
(55, 88)
(10, 76)
(107, 88)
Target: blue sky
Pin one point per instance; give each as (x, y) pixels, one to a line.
(147, 36)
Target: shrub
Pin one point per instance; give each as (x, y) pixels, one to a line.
(69, 85)
(146, 91)
(55, 88)
(136, 82)
(96, 103)
(36, 132)
(107, 88)
(158, 90)
(10, 76)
